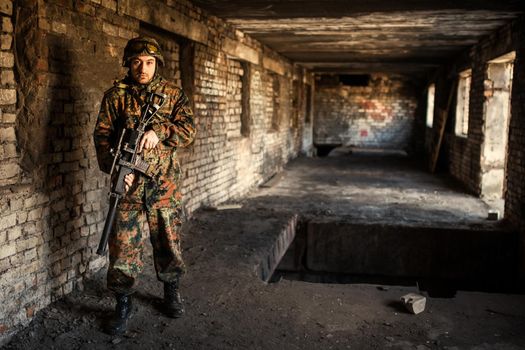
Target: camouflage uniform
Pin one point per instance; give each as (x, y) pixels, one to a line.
(156, 200)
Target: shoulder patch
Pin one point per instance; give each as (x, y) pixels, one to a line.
(118, 87)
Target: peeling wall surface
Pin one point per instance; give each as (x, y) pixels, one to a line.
(64, 55)
(380, 115)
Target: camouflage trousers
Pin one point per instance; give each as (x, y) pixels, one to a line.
(126, 246)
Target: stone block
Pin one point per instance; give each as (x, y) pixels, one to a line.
(110, 29)
(84, 231)
(16, 204)
(6, 7)
(26, 244)
(16, 260)
(58, 27)
(7, 134)
(7, 96)
(34, 214)
(110, 4)
(8, 118)
(14, 233)
(126, 34)
(7, 221)
(44, 24)
(30, 254)
(7, 250)
(22, 217)
(9, 151)
(91, 218)
(68, 287)
(7, 60)
(414, 303)
(94, 196)
(5, 41)
(4, 265)
(7, 25)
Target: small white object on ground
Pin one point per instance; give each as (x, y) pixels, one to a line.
(415, 303)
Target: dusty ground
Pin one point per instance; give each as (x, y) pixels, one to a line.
(230, 307)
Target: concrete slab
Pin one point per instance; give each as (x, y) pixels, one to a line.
(372, 186)
(375, 213)
(470, 257)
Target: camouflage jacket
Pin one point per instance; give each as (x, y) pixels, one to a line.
(174, 126)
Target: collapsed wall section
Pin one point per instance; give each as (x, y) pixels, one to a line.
(57, 59)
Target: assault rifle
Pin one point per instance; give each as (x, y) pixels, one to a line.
(127, 160)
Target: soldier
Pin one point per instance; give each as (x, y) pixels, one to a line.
(155, 199)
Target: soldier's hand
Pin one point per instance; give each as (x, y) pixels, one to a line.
(128, 180)
(149, 140)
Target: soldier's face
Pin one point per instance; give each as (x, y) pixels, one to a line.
(143, 68)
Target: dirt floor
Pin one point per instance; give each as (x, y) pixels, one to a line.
(230, 307)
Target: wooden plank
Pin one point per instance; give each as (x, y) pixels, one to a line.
(439, 125)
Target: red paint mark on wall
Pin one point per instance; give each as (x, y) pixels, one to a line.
(364, 133)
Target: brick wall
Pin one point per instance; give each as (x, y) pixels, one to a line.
(9, 167)
(465, 153)
(380, 115)
(53, 198)
(515, 196)
(233, 113)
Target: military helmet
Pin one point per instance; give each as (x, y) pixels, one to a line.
(141, 46)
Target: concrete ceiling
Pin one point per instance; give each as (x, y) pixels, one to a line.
(365, 36)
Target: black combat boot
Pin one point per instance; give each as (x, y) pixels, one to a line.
(172, 301)
(117, 325)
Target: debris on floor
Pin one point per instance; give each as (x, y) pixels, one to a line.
(415, 303)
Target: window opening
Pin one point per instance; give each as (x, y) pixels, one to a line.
(354, 79)
(430, 104)
(462, 104)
